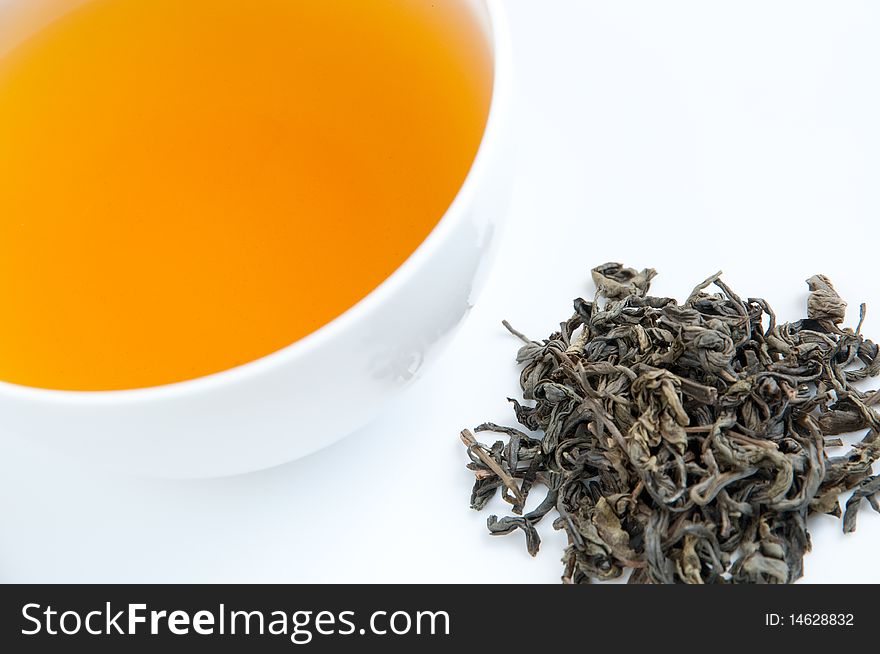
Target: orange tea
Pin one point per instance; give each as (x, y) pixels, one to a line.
(189, 185)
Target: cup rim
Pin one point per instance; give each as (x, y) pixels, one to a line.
(499, 41)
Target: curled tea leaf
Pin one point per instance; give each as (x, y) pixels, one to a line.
(824, 304)
(614, 281)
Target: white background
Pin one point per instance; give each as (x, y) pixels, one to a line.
(686, 136)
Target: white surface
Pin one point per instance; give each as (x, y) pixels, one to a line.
(638, 123)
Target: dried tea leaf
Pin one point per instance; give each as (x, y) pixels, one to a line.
(686, 443)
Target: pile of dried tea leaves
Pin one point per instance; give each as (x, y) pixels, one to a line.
(686, 442)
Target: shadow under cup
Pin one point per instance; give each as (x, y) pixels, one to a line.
(268, 278)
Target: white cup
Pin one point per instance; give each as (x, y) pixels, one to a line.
(322, 387)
